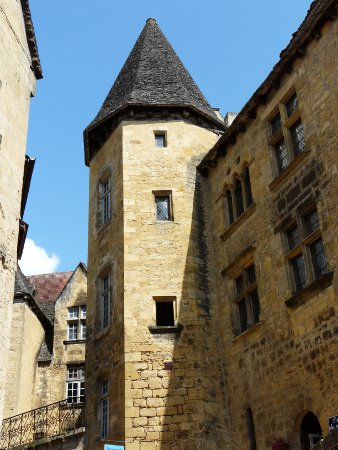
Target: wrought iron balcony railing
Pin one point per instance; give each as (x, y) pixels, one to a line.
(45, 422)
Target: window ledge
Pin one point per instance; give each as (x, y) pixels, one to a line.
(309, 291)
(165, 329)
(77, 341)
(256, 326)
(231, 229)
(286, 173)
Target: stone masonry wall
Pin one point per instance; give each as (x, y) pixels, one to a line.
(105, 347)
(172, 386)
(26, 338)
(51, 377)
(283, 366)
(17, 84)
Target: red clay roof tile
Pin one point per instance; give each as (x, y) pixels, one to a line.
(49, 286)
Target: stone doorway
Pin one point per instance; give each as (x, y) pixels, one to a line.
(310, 431)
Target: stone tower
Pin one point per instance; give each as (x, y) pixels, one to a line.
(152, 378)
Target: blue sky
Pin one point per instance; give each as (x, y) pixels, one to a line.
(228, 47)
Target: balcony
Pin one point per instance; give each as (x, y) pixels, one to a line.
(57, 419)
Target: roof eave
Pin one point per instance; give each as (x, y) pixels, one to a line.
(295, 50)
(115, 113)
(31, 40)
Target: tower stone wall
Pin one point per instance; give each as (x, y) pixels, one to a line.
(17, 85)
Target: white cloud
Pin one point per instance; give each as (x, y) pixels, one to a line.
(35, 260)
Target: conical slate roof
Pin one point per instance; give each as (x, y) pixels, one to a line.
(153, 75)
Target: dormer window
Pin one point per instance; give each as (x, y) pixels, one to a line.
(160, 139)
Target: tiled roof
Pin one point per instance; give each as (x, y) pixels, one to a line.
(49, 286)
(153, 75)
(22, 284)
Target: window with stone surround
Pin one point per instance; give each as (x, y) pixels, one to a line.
(76, 323)
(305, 249)
(238, 196)
(104, 409)
(163, 206)
(75, 384)
(286, 132)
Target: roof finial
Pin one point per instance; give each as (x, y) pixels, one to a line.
(151, 20)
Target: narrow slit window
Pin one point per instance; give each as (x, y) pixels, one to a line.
(229, 206)
(104, 408)
(248, 192)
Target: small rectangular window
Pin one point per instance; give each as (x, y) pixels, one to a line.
(165, 312)
(251, 274)
(163, 207)
(239, 285)
(160, 139)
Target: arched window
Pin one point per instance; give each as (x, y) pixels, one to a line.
(239, 198)
(229, 207)
(310, 431)
(248, 187)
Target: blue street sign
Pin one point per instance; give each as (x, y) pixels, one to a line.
(113, 447)
(333, 423)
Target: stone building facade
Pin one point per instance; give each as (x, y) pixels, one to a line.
(46, 360)
(19, 70)
(212, 313)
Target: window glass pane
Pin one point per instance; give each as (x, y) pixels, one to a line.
(251, 274)
(160, 140)
(311, 222)
(255, 305)
(104, 417)
(297, 136)
(291, 105)
(162, 207)
(105, 309)
(318, 258)
(105, 282)
(243, 317)
(83, 311)
(83, 330)
(299, 272)
(72, 331)
(293, 237)
(281, 155)
(239, 284)
(276, 123)
(73, 313)
(105, 387)
(248, 187)
(229, 206)
(239, 198)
